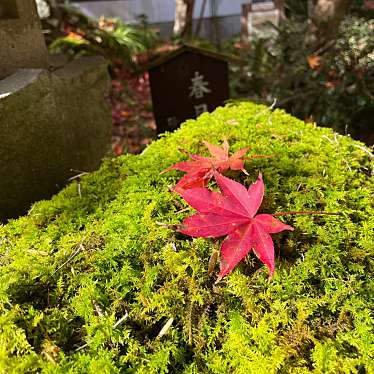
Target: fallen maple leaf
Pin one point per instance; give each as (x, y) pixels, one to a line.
(314, 62)
(332, 84)
(369, 4)
(233, 212)
(201, 169)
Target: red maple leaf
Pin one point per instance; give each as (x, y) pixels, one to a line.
(201, 169)
(233, 212)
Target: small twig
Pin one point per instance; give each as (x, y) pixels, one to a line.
(166, 328)
(49, 358)
(166, 226)
(81, 347)
(78, 176)
(79, 189)
(182, 210)
(123, 318)
(336, 142)
(371, 155)
(219, 278)
(78, 179)
(336, 138)
(326, 137)
(113, 327)
(144, 150)
(30, 211)
(79, 249)
(78, 171)
(271, 107)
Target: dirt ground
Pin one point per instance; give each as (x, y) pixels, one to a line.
(133, 122)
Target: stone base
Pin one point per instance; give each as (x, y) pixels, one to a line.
(51, 125)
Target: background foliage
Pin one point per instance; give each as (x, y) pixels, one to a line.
(333, 86)
(76, 34)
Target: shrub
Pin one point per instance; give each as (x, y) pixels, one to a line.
(77, 265)
(334, 89)
(115, 40)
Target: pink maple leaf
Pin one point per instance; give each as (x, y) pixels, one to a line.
(233, 213)
(199, 170)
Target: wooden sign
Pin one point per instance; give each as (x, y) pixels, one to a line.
(185, 83)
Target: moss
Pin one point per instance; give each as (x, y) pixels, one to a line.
(77, 264)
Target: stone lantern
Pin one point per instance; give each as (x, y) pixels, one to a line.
(54, 119)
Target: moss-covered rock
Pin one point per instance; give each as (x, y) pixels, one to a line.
(77, 265)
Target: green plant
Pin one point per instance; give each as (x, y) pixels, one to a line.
(89, 281)
(110, 38)
(336, 91)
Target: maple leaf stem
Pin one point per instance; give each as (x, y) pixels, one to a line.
(183, 210)
(292, 213)
(219, 278)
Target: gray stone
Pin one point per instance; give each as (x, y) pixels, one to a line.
(53, 117)
(21, 40)
(51, 125)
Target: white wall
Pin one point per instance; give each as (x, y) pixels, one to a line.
(158, 11)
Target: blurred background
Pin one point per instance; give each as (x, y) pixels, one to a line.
(313, 58)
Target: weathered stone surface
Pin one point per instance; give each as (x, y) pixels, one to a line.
(21, 40)
(51, 125)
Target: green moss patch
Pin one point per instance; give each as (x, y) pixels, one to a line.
(88, 282)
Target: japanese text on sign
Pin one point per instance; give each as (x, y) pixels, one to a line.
(198, 87)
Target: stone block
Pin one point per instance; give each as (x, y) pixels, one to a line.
(51, 125)
(21, 40)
